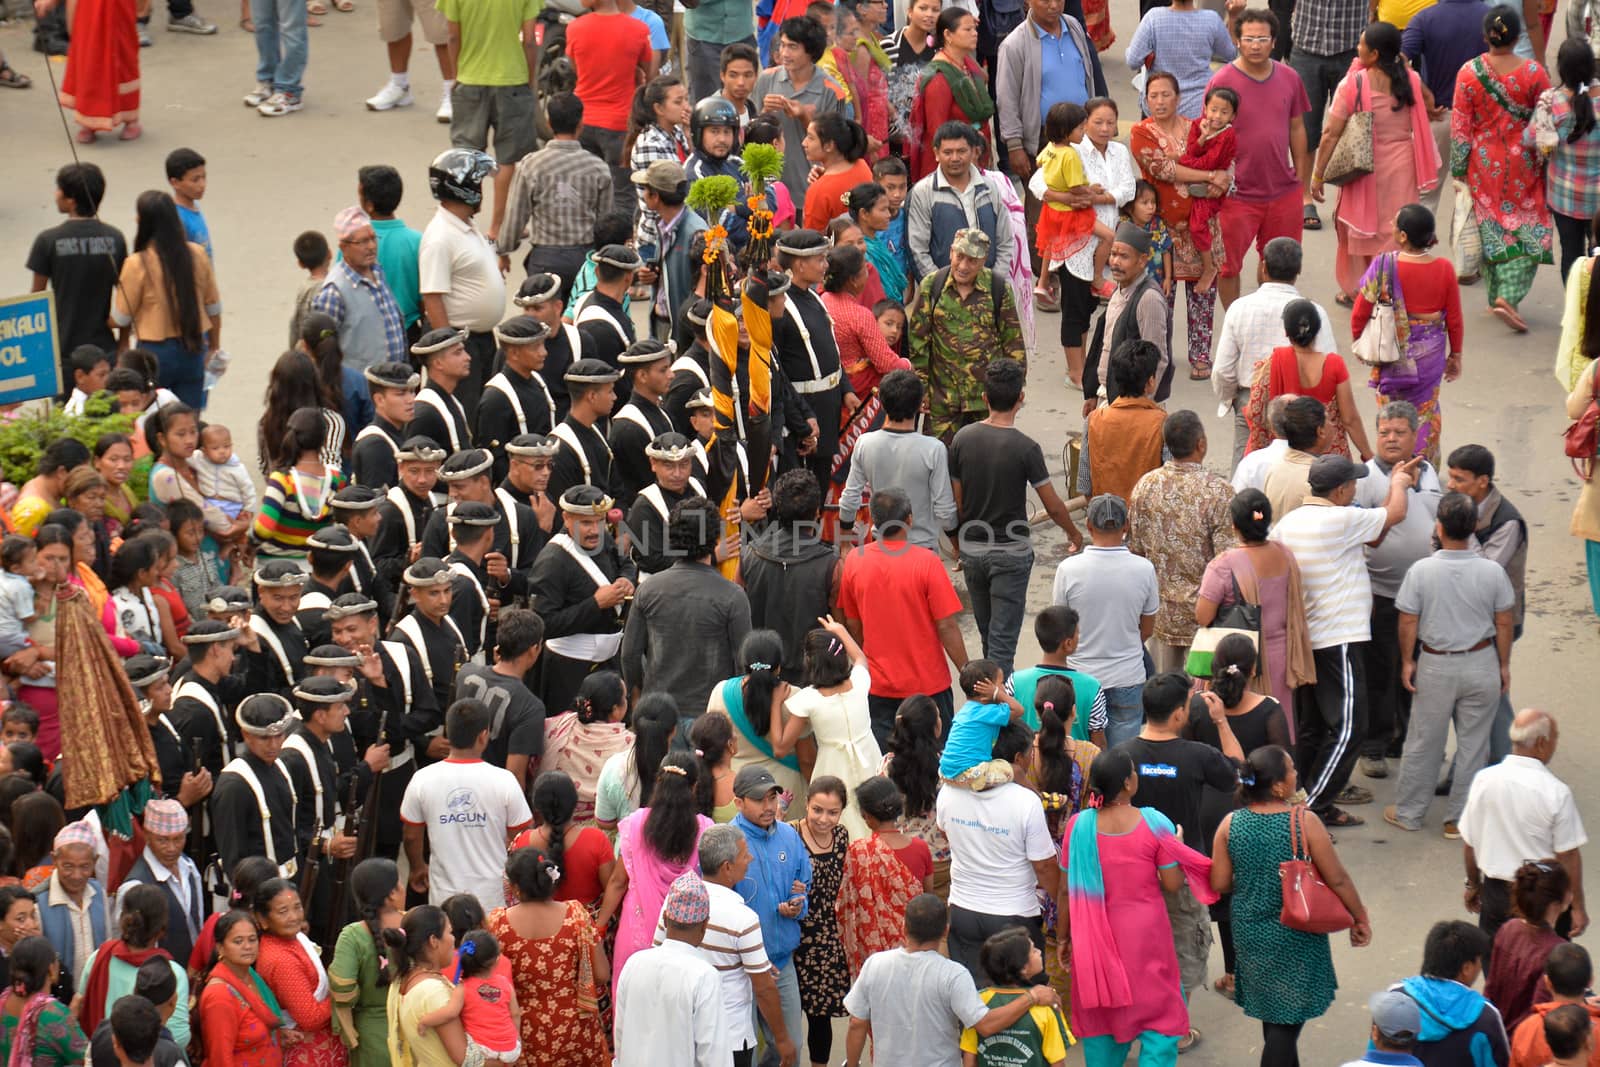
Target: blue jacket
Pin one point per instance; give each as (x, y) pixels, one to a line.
(778, 859)
(57, 924)
(1459, 1027)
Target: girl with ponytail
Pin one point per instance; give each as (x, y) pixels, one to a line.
(712, 738)
(362, 967)
(1061, 773)
(1112, 927)
(581, 853)
(1565, 132)
(836, 148)
(629, 777)
(834, 707)
(45, 1032)
(754, 702)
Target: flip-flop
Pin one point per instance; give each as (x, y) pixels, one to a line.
(1509, 317)
(1339, 817)
(11, 78)
(1309, 219)
(1344, 300)
(1189, 1041)
(130, 132)
(346, 6)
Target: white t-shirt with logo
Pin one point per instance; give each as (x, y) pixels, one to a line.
(469, 810)
(995, 838)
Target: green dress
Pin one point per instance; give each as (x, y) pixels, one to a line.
(360, 1013)
(1282, 975)
(57, 1041)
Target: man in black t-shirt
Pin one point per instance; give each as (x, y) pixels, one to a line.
(516, 716)
(80, 261)
(1173, 774)
(992, 463)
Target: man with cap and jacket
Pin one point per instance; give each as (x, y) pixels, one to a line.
(439, 413)
(253, 798)
(274, 665)
(1329, 538)
(672, 463)
(1396, 1022)
(332, 661)
(517, 537)
(406, 508)
(600, 316)
(162, 863)
(1137, 311)
(803, 341)
(529, 457)
(580, 586)
(516, 400)
(648, 366)
(355, 295)
(432, 634)
(585, 456)
(663, 190)
(393, 387)
(544, 297)
(962, 317)
(356, 508)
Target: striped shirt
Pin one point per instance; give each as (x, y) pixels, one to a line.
(733, 946)
(293, 507)
(1329, 543)
(556, 194)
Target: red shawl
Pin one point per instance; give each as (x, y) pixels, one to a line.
(98, 985)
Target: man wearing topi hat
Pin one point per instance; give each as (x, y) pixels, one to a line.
(544, 297)
(585, 457)
(406, 507)
(274, 666)
(201, 708)
(393, 387)
(356, 296)
(516, 400)
(1137, 311)
(803, 340)
(599, 315)
(440, 413)
(669, 997)
(648, 366)
(163, 864)
(671, 459)
(253, 798)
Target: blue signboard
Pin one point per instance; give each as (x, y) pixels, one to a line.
(28, 360)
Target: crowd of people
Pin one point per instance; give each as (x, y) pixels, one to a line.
(581, 686)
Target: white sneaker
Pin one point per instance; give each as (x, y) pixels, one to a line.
(389, 97)
(446, 110)
(280, 104)
(259, 95)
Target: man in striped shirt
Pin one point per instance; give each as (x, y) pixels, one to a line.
(733, 946)
(1328, 538)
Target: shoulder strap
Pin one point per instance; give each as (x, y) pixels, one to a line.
(303, 747)
(583, 560)
(595, 313)
(502, 385)
(315, 601)
(413, 633)
(247, 774)
(563, 433)
(371, 430)
(437, 403)
(652, 493)
(265, 631)
(630, 413)
(192, 689)
(397, 497)
(692, 365)
(402, 662)
(508, 508)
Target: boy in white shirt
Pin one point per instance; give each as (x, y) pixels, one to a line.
(90, 367)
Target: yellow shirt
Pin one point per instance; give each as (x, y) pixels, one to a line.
(1062, 170)
(1400, 12)
(1054, 1037)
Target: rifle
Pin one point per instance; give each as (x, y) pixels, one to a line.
(195, 846)
(308, 874)
(353, 827)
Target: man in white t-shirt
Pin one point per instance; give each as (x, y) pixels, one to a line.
(1000, 854)
(470, 810)
(1329, 539)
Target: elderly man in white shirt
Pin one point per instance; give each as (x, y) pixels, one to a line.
(1253, 327)
(1517, 811)
(669, 997)
(1251, 471)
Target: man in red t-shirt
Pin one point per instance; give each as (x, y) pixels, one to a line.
(902, 608)
(611, 52)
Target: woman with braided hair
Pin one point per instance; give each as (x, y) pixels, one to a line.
(360, 973)
(581, 853)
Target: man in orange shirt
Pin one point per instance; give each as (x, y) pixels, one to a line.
(1569, 972)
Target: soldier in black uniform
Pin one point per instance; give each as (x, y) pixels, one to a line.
(517, 538)
(201, 707)
(581, 584)
(274, 666)
(691, 370)
(393, 387)
(253, 797)
(543, 297)
(672, 461)
(527, 479)
(476, 593)
(356, 507)
(702, 414)
(332, 661)
(428, 628)
(585, 457)
(438, 414)
(648, 365)
(516, 401)
(803, 342)
(599, 316)
(321, 784)
(394, 691)
(174, 757)
(405, 511)
(332, 553)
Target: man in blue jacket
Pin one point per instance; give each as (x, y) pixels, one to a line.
(72, 905)
(1460, 1028)
(776, 888)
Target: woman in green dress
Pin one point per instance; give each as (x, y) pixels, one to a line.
(33, 1019)
(359, 980)
(1284, 977)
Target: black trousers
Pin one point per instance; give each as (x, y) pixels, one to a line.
(483, 349)
(564, 261)
(1574, 234)
(1388, 702)
(1330, 721)
(1280, 1044)
(970, 929)
(883, 710)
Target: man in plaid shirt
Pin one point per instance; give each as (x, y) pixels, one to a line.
(371, 328)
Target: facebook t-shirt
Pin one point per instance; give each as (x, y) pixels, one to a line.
(1172, 778)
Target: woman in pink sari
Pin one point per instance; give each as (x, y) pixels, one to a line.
(1405, 161)
(656, 844)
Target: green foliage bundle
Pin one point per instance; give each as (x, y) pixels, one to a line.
(26, 434)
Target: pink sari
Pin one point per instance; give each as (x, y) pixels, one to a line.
(649, 879)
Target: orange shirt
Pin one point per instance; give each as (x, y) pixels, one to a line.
(825, 196)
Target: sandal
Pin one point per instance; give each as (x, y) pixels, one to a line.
(85, 135)
(1344, 300)
(130, 132)
(1340, 817)
(11, 78)
(316, 7)
(346, 6)
(1508, 315)
(1189, 1040)
(1224, 986)
(1309, 219)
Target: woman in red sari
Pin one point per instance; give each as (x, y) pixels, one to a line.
(239, 1017)
(102, 79)
(882, 872)
(952, 89)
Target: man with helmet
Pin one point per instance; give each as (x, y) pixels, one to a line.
(714, 130)
(556, 195)
(458, 271)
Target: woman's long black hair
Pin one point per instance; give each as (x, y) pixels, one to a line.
(293, 384)
(1384, 39)
(320, 334)
(914, 743)
(555, 798)
(1575, 66)
(673, 826)
(760, 658)
(161, 231)
(421, 925)
(655, 720)
(371, 884)
(649, 96)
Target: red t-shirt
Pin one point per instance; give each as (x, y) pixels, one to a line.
(917, 858)
(1262, 169)
(581, 864)
(899, 594)
(605, 48)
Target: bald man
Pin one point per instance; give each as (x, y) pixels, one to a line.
(1518, 810)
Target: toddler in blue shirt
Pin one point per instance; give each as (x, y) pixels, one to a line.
(966, 761)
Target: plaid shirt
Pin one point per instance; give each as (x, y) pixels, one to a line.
(556, 194)
(653, 143)
(330, 301)
(1572, 180)
(1328, 27)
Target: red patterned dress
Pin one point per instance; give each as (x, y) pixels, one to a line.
(294, 977)
(872, 900)
(555, 1031)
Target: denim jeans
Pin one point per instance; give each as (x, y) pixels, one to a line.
(997, 580)
(1321, 76)
(281, 46)
(1124, 712)
(794, 1016)
(182, 369)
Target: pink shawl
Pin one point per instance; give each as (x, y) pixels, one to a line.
(1360, 197)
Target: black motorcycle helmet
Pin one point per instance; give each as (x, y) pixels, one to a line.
(711, 112)
(458, 174)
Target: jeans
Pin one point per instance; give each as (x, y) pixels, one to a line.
(1124, 712)
(883, 710)
(1321, 75)
(794, 1016)
(997, 580)
(1464, 690)
(281, 46)
(182, 369)
(704, 62)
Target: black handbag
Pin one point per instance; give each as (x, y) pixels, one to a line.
(1240, 615)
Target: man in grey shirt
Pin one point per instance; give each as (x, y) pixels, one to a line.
(899, 457)
(797, 91)
(1389, 704)
(686, 623)
(1459, 606)
(915, 1002)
